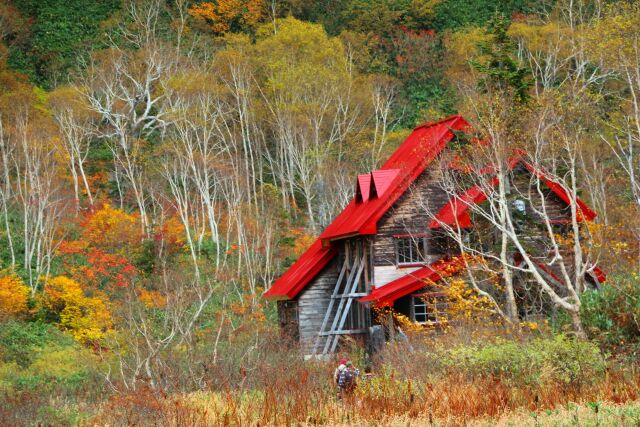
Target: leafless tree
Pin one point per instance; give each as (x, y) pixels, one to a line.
(521, 216)
(33, 188)
(123, 88)
(75, 128)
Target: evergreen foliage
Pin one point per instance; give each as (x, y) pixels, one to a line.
(501, 70)
(61, 32)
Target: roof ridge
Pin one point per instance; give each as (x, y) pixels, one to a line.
(438, 122)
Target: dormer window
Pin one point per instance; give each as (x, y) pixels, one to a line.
(375, 184)
(410, 249)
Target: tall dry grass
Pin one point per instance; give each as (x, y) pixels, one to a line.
(407, 385)
(452, 399)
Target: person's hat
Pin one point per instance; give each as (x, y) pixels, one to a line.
(343, 361)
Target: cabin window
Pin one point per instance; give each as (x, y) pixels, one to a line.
(410, 250)
(429, 308)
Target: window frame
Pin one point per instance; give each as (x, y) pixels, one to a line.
(417, 243)
(434, 313)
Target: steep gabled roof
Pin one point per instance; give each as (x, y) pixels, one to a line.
(361, 215)
(363, 188)
(411, 158)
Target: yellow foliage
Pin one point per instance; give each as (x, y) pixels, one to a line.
(423, 9)
(541, 38)
(381, 315)
(86, 318)
(463, 47)
(532, 326)
(301, 64)
(302, 243)
(13, 295)
(465, 303)
(613, 37)
(112, 229)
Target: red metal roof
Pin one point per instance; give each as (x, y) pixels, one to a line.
(302, 271)
(387, 294)
(456, 212)
(596, 272)
(361, 215)
(411, 158)
(363, 188)
(382, 180)
(583, 211)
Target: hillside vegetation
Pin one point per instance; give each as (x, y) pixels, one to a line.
(163, 161)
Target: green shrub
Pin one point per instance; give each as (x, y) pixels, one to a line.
(538, 361)
(612, 313)
(61, 31)
(20, 341)
(34, 355)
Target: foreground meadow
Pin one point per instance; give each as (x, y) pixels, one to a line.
(462, 377)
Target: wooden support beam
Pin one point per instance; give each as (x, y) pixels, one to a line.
(345, 313)
(331, 302)
(356, 268)
(346, 332)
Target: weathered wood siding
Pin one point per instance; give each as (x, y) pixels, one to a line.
(409, 215)
(556, 209)
(289, 325)
(523, 183)
(313, 303)
(387, 273)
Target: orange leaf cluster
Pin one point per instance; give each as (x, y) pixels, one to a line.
(100, 270)
(302, 243)
(225, 15)
(152, 299)
(172, 234)
(14, 295)
(112, 230)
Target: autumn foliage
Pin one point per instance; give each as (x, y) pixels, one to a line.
(14, 295)
(112, 230)
(222, 16)
(87, 318)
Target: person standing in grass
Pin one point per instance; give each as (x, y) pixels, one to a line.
(346, 379)
(340, 368)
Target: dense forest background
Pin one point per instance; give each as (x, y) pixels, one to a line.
(164, 160)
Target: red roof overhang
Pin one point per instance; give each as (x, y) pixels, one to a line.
(302, 271)
(387, 294)
(599, 274)
(596, 271)
(584, 213)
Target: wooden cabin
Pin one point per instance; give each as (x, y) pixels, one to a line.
(382, 248)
